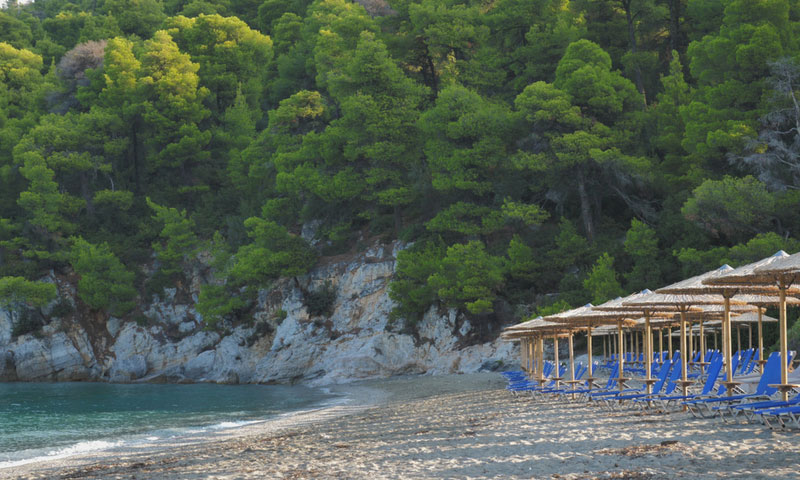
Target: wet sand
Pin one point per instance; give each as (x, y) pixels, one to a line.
(453, 427)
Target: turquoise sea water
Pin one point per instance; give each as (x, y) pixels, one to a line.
(46, 420)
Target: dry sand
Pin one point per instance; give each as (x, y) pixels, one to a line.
(455, 427)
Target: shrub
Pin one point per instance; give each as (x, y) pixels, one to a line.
(26, 323)
(320, 302)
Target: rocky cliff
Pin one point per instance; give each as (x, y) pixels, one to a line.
(284, 343)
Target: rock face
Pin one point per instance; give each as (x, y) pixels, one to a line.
(285, 343)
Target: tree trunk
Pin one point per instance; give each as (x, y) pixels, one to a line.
(675, 24)
(586, 207)
(430, 67)
(86, 194)
(136, 167)
(398, 221)
(626, 4)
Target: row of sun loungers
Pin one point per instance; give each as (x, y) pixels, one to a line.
(710, 397)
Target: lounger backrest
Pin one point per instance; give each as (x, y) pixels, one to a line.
(614, 373)
(662, 376)
(713, 373)
(771, 375)
(748, 354)
(734, 364)
(674, 377)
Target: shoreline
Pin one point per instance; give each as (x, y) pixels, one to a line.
(347, 399)
(463, 426)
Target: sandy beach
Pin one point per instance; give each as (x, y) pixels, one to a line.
(453, 427)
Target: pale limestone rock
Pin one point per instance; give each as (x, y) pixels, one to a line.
(5, 328)
(127, 369)
(114, 325)
(352, 344)
(50, 358)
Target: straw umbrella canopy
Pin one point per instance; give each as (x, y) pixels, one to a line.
(618, 308)
(747, 318)
(703, 285)
(682, 303)
(779, 272)
(589, 317)
(539, 327)
(625, 304)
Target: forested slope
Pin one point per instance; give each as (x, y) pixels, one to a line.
(534, 153)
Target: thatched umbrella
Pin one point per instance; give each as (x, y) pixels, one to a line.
(589, 317)
(779, 272)
(702, 285)
(748, 318)
(540, 327)
(683, 304)
(622, 311)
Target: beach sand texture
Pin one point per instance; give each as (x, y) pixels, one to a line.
(463, 427)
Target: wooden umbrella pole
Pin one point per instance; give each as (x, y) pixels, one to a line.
(669, 341)
(540, 360)
(648, 351)
(760, 342)
(784, 342)
(684, 371)
(690, 343)
(589, 350)
(620, 355)
(571, 362)
(726, 341)
(738, 338)
(605, 350)
(612, 345)
(749, 336)
(702, 347)
(531, 359)
(555, 359)
(661, 345)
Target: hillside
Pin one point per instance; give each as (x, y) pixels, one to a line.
(532, 154)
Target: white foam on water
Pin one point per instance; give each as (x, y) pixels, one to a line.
(344, 402)
(235, 424)
(77, 449)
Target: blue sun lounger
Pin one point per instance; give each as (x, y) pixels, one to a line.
(662, 379)
(780, 414)
(701, 406)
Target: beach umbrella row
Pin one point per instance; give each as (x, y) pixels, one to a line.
(744, 290)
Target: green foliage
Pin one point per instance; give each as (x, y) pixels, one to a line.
(273, 253)
(556, 307)
(730, 208)
(320, 302)
(104, 282)
(468, 277)
(521, 264)
(17, 293)
(509, 141)
(179, 242)
(26, 323)
(641, 244)
(410, 289)
(571, 248)
(602, 283)
(215, 303)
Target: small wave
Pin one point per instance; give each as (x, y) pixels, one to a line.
(78, 448)
(226, 425)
